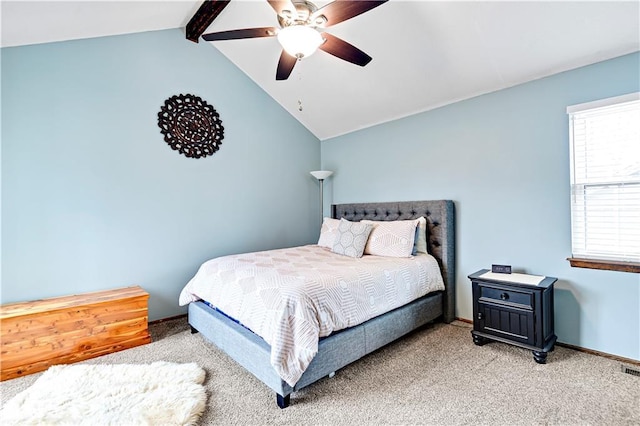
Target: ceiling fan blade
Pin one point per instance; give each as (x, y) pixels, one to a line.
(206, 14)
(285, 66)
(239, 34)
(340, 10)
(280, 5)
(343, 50)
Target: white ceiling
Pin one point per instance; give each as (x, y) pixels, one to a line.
(426, 54)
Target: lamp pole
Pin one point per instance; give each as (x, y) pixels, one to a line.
(321, 201)
(321, 175)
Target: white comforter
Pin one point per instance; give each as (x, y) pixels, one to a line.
(292, 297)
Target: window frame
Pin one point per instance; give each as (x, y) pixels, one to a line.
(595, 263)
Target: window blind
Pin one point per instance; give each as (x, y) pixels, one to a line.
(605, 179)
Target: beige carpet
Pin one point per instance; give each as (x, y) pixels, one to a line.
(434, 376)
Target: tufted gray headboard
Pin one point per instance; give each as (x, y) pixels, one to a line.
(440, 215)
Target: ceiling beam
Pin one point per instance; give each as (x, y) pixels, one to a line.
(206, 14)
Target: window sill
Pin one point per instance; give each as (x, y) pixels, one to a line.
(609, 265)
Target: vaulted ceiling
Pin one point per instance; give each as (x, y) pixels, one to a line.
(426, 54)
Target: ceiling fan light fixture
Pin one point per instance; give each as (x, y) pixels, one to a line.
(300, 41)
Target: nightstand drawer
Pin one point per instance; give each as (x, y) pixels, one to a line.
(524, 299)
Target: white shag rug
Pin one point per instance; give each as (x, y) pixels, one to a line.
(161, 393)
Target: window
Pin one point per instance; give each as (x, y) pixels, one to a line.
(605, 183)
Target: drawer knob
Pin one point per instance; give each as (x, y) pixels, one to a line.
(504, 296)
(480, 316)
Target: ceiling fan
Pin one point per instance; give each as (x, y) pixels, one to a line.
(301, 31)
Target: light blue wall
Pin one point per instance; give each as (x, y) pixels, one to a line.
(93, 198)
(504, 159)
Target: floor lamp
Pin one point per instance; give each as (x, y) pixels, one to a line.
(321, 175)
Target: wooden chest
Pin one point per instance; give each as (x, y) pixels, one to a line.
(63, 330)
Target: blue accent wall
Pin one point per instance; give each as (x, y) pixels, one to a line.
(504, 159)
(92, 196)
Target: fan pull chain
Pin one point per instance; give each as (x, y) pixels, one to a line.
(300, 84)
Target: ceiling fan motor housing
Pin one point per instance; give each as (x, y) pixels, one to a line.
(303, 15)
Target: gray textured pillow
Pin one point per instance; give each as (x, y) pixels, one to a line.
(421, 241)
(352, 238)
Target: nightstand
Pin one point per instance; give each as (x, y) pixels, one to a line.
(515, 309)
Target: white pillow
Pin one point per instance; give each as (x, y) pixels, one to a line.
(421, 241)
(392, 239)
(328, 232)
(352, 237)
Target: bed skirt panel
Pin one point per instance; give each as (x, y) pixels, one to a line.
(334, 352)
(245, 347)
(382, 330)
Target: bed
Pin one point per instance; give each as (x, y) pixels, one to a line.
(345, 346)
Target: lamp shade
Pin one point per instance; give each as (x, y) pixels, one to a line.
(321, 174)
(299, 41)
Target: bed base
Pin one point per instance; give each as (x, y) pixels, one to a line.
(334, 352)
(346, 346)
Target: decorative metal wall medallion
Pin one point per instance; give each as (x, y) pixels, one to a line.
(190, 126)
